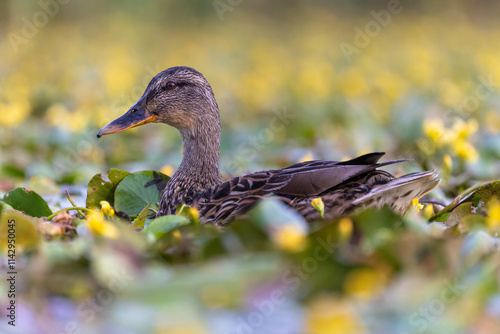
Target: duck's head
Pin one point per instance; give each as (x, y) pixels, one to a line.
(179, 96)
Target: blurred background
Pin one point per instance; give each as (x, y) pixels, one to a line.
(294, 80)
(342, 78)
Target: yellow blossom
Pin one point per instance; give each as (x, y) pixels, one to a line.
(464, 150)
(167, 170)
(364, 282)
(327, 315)
(176, 234)
(493, 219)
(447, 162)
(318, 204)
(14, 113)
(194, 213)
(434, 129)
(107, 209)
(307, 157)
(100, 226)
(428, 211)
(290, 238)
(345, 226)
(417, 204)
(464, 130)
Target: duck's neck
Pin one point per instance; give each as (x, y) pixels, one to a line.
(199, 168)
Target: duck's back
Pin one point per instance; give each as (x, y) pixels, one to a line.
(343, 186)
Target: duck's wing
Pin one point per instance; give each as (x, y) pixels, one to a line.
(227, 199)
(314, 178)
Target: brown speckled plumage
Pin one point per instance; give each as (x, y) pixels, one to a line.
(182, 97)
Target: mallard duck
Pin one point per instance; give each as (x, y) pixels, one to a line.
(183, 98)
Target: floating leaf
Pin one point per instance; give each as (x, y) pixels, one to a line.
(482, 192)
(162, 225)
(461, 211)
(115, 175)
(14, 225)
(99, 189)
(132, 195)
(27, 201)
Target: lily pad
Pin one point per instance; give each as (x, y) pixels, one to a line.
(162, 225)
(137, 190)
(116, 175)
(482, 192)
(20, 227)
(27, 201)
(100, 189)
(461, 211)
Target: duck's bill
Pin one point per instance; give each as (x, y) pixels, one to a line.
(134, 117)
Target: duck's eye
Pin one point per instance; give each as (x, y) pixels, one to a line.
(171, 85)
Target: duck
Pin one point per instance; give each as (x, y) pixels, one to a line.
(182, 98)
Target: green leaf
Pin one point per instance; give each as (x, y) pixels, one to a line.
(116, 175)
(162, 225)
(99, 189)
(132, 195)
(22, 227)
(27, 201)
(141, 219)
(461, 211)
(482, 192)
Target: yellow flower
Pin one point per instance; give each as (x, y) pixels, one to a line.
(493, 219)
(14, 113)
(167, 170)
(447, 162)
(99, 226)
(327, 315)
(434, 130)
(428, 211)
(290, 238)
(416, 204)
(176, 234)
(345, 227)
(364, 283)
(318, 204)
(464, 130)
(307, 157)
(464, 150)
(194, 213)
(107, 209)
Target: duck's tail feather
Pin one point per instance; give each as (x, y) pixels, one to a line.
(399, 192)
